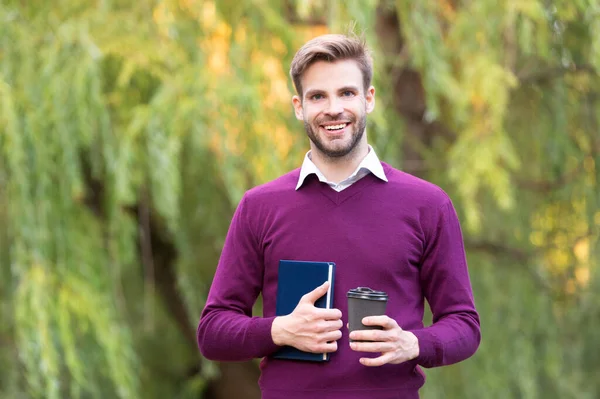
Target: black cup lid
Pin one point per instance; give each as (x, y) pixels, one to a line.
(367, 293)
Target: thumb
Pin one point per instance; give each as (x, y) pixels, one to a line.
(315, 294)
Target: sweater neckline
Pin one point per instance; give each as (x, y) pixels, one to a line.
(340, 197)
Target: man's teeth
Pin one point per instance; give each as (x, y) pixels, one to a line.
(335, 127)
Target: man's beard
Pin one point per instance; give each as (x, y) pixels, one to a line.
(358, 131)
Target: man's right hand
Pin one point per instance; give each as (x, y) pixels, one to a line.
(309, 328)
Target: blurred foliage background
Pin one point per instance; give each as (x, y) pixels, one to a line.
(130, 129)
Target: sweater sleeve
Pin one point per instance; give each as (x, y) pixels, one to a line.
(455, 333)
(227, 331)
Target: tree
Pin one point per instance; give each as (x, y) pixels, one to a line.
(129, 131)
(500, 108)
(125, 146)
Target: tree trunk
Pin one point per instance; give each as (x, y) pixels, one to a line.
(235, 380)
(409, 93)
(159, 254)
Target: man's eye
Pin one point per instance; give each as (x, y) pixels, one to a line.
(316, 97)
(348, 93)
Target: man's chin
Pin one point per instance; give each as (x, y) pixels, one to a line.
(333, 147)
(334, 152)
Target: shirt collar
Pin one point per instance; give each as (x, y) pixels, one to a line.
(370, 163)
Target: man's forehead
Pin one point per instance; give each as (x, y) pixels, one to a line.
(323, 75)
(324, 69)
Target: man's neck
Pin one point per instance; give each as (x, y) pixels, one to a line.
(336, 170)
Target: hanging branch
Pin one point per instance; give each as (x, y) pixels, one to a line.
(547, 186)
(145, 242)
(537, 76)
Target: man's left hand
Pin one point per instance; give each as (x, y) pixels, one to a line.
(395, 345)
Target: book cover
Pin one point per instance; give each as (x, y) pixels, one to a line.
(295, 279)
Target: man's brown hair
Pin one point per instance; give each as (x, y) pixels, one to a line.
(331, 48)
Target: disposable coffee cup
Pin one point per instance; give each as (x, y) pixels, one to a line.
(363, 302)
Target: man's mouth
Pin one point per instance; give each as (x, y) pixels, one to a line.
(335, 128)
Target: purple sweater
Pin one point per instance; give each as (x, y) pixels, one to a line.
(402, 237)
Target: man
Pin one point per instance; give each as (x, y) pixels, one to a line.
(383, 228)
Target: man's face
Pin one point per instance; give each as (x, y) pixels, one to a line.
(334, 107)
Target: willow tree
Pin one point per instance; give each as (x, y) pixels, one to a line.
(499, 103)
(129, 131)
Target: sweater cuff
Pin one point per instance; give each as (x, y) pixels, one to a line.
(261, 334)
(430, 348)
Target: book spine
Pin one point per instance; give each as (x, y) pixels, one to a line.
(330, 279)
(328, 304)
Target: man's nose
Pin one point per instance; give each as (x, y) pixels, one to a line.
(334, 107)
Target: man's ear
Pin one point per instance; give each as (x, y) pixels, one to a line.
(298, 107)
(370, 99)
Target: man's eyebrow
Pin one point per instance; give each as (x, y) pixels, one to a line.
(349, 88)
(312, 92)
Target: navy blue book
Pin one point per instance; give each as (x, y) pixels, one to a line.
(297, 278)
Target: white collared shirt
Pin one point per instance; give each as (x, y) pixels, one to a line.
(370, 164)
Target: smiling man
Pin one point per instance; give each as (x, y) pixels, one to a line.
(383, 228)
(334, 106)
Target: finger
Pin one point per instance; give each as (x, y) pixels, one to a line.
(329, 314)
(315, 294)
(331, 325)
(370, 335)
(376, 361)
(327, 326)
(374, 347)
(326, 347)
(383, 321)
(331, 336)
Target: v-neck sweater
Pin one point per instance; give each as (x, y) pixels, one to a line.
(402, 237)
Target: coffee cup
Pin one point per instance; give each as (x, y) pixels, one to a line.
(363, 302)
